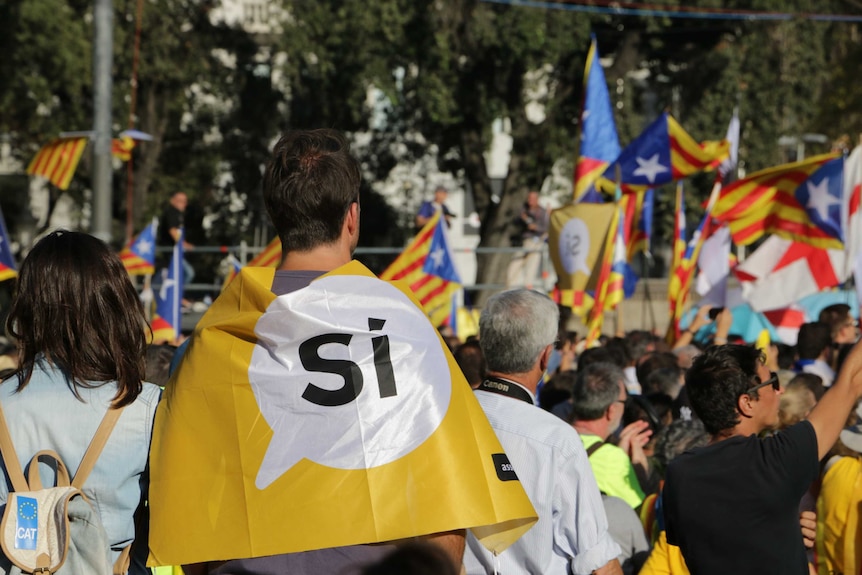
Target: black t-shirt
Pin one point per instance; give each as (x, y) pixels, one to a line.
(171, 218)
(733, 507)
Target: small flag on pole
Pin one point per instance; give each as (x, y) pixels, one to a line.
(426, 264)
(7, 262)
(599, 143)
(139, 257)
(166, 322)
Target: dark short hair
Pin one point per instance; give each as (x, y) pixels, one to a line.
(596, 388)
(600, 355)
(666, 380)
(716, 380)
(638, 343)
(308, 187)
(835, 316)
(557, 390)
(470, 359)
(652, 361)
(813, 338)
(158, 361)
(617, 345)
(75, 305)
(786, 356)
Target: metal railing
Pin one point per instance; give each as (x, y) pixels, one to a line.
(244, 253)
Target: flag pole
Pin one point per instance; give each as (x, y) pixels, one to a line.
(647, 305)
(713, 197)
(618, 194)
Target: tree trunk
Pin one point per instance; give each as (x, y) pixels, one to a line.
(154, 121)
(496, 218)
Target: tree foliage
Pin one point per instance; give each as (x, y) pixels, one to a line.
(408, 76)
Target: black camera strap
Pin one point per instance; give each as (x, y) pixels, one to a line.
(507, 388)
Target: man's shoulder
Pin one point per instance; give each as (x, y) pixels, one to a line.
(527, 421)
(609, 451)
(751, 447)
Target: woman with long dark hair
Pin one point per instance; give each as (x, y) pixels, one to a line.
(81, 335)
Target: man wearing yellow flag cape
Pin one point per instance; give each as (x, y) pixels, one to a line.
(317, 410)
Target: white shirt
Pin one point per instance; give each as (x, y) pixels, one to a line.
(552, 465)
(633, 386)
(821, 368)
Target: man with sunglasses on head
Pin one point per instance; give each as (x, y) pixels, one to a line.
(733, 506)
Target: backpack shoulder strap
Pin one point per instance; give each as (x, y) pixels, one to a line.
(594, 447)
(10, 458)
(95, 448)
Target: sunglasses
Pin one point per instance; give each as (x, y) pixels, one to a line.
(773, 381)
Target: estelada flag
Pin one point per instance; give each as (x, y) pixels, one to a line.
(599, 142)
(800, 201)
(139, 257)
(662, 153)
(330, 416)
(427, 266)
(575, 241)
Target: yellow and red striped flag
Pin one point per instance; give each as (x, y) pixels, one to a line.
(270, 257)
(682, 273)
(58, 160)
(427, 267)
(121, 148)
(679, 233)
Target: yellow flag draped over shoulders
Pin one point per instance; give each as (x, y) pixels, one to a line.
(333, 415)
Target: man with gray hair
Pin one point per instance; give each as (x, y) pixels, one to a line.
(517, 330)
(598, 402)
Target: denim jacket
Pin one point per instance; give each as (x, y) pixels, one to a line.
(47, 415)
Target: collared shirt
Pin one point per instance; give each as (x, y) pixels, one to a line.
(550, 460)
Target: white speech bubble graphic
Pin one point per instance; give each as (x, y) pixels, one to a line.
(306, 335)
(574, 246)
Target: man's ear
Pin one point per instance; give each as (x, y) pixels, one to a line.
(745, 405)
(545, 357)
(351, 221)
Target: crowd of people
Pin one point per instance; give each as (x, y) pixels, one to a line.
(637, 456)
(702, 448)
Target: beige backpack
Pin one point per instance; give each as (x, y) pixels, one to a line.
(55, 529)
